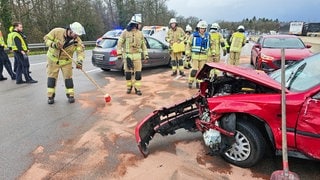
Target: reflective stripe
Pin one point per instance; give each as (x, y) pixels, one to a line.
(55, 59)
(200, 43)
(137, 84)
(70, 91)
(2, 43)
(51, 90)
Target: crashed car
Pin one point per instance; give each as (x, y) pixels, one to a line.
(239, 113)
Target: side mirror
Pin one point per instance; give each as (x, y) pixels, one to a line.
(308, 46)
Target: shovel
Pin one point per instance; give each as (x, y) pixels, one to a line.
(107, 97)
(284, 174)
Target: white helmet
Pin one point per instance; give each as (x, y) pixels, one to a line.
(172, 20)
(241, 27)
(202, 24)
(215, 26)
(136, 19)
(77, 28)
(188, 28)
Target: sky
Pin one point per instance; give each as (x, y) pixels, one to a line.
(237, 10)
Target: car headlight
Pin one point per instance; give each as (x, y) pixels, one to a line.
(266, 57)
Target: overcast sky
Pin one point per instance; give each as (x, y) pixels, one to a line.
(236, 10)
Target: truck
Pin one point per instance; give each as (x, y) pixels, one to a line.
(298, 28)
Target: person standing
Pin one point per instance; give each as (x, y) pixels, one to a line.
(199, 48)
(174, 37)
(5, 61)
(218, 42)
(187, 61)
(20, 49)
(130, 45)
(62, 43)
(238, 40)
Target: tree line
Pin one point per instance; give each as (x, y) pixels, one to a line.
(98, 16)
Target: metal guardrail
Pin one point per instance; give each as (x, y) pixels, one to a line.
(43, 46)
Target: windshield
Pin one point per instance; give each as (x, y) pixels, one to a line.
(302, 75)
(108, 43)
(280, 42)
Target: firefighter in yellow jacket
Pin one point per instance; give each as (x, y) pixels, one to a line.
(199, 48)
(131, 45)
(238, 40)
(175, 37)
(69, 40)
(218, 42)
(187, 61)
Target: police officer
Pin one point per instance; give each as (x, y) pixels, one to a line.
(4, 60)
(20, 49)
(67, 39)
(217, 42)
(174, 37)
(238, 40)
(199, 47)
(130, 45)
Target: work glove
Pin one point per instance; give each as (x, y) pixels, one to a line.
(224, 52)
(57, 45)
(146, 57)
(79, 64)
(119, 56)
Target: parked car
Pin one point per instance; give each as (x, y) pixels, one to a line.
(266, 53)
(239, 113)
(104, 55)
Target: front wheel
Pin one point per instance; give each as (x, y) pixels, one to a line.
(248, 148)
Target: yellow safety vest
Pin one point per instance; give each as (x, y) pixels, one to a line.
(237, 40)
(10, 39)
(132, 44)
(2, 43)
(217, 39)
(23, 42)
(57, 55)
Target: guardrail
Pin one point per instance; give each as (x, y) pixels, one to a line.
(43, 46)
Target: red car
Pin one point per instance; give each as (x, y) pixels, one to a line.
(239, 113)
(266, 53)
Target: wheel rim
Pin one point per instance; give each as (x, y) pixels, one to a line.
(241, 149)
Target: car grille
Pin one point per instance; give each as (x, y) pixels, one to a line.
(287, 62)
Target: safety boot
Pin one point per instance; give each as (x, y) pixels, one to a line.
(182, 73)
(174, 73)
(70, 98)
(50, 100)
(129, 90)
(138, 92)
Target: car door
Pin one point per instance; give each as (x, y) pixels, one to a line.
(158, 55)
(308, 127)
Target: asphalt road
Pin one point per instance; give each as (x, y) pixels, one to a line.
(28, 122)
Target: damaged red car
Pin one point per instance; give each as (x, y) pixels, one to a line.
(239, 113)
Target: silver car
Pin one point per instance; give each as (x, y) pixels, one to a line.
(104, 55)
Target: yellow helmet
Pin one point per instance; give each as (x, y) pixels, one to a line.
(77, 28)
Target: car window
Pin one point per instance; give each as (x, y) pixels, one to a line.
(154, 44)
(308, 76)
(289, 43)
(108, 43)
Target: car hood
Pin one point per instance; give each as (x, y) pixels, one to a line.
(290, 54)
(255, 76)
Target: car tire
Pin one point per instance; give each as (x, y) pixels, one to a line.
(104, 69)
(249, 147)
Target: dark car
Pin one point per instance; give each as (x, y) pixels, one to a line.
(104, 55)
(266, 52)
(239, 113)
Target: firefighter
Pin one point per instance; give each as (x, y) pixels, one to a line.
(187, 61)
(67, 39)
(175, 37)
(4, 60)
(130, 45)
(199, 48)
(20, 49)
(217, 42)
(238, 40)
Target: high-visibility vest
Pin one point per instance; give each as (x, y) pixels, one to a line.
(237, 39)
(200, 44)
(2, 43)
(23, 42)
(217, 39)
